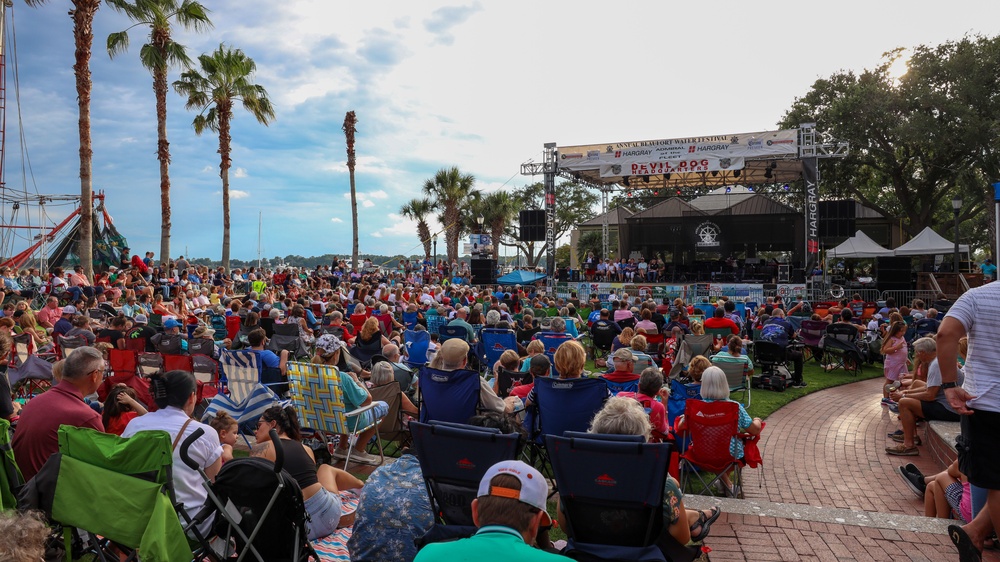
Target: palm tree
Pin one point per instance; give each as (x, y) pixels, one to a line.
(83, 33)
(226, 77)
(449, 189)
(350, 128)
(498, 209)
(418, 210)
(158, 55)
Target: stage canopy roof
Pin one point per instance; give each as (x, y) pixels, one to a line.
(929, 243)
(859, 246)
(520, 277)
(712, 161)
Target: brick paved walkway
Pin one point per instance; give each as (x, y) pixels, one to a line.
(826, 450)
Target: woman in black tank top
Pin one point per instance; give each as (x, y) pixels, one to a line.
(320, 485)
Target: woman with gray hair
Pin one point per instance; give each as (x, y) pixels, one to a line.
(383, 374)
(625, 416)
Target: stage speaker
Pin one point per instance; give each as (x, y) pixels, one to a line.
(484, 271)
(893, 274)
(532, 225)
(837, 219)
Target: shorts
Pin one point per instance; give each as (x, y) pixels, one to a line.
(979, 449)
(368, 417)
(953, 493)
(324, 513)
(937, 411)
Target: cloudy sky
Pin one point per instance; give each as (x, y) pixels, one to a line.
(480, 85)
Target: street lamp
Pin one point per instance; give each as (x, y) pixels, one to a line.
(480, 219)
(956, 206)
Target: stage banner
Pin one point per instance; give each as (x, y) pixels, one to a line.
(790, 290)
(684, 165)
(668, 155)
(810, 176)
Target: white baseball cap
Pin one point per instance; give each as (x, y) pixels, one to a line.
(534, 490)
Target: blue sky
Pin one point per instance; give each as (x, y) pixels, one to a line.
(481, 85)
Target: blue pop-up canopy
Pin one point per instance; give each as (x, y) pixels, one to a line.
(520, 277)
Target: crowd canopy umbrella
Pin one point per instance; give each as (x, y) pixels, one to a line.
(520, 277)
(929, 243)
(859, 246)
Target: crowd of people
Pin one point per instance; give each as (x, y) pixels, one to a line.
(341, 313)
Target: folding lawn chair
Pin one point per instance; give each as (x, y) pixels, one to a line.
(719, 333)
(610, 514)
(453, 459)
(206, 372)
(626, 386)
(10, 476)
(495, 342)
(169, 344)
(65, 345)
(365, 352)
(711, 427)
(448, 332)
(177, 363)
(811, 335)
(552, 341)
(737, 377)
(201, 346)
(112, 489)
(137, 345)
(150, 363)
(319, 403)
(123, 368)
(434, 323)
(247, 398)
(394, 427)
(449, 396)
(24, 345)
(257, 506)
(286, 337)
(30, 378)
(416, 344)
(840, 348)
(507, 380)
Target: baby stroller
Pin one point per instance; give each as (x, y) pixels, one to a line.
(256, 504)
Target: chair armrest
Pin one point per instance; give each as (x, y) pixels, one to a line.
(360, 410)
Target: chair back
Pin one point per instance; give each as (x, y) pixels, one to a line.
(627, 323)
(218, 322)
(552, 341)
(123, 362)
(136, 344)
(206, 372)
(169, 344)
(626, 386)
(287, 329)
(507, 380)
(24, 346)
(66, 344)
(410, 319)
(699, 344)
(177, 363)
(603, 502)
(680, 393)
(712, 426)
(156, 321)
(434, 323)
(267, 323)
(150, 363)
(706, 309)
(604, 336)
(495, 342)
(450, 331)
(392, 424)
(843, 332)
(201, 346)
(566, 404)
(242, 372)
(416, 344)
(123, 368)
(719, 333)
(233, 326)
(451, 396)
(453, 459)
(736, 374)
(811, 332)
(317, 397)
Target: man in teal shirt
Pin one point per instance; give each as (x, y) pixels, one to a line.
(509, 512)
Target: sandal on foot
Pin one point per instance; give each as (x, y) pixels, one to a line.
(902, 451)
(704, 522)
(967, 551)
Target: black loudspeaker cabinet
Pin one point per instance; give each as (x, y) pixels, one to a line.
(484, 271)
(532, 223)
(894, 274)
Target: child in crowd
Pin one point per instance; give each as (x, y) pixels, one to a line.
(121, 407)
(895, 364)
(228, 431)
(943, 493)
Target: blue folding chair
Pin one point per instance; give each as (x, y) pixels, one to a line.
(434, 323)
(552, 341)
(449, 332)
(495, 342)
(453, 459)
(616, 387)
(410, 320)
(450, 396)
(595, 475)
(416, 344)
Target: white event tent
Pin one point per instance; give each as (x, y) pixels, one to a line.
(929, 243)
(859, 246)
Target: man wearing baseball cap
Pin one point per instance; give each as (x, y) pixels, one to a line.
(509, 513)
(623, 361)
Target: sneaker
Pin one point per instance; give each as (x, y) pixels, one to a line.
(887, 402)
(800, 384)
(364, 457)
(914, 482)
(912, 469)
(339, 453)
(894, 408)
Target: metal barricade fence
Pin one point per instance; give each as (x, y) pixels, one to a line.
(906, 298)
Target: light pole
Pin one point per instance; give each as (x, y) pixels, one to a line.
(956, 206)
(480, 219)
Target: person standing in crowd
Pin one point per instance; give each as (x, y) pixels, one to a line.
(976, 315)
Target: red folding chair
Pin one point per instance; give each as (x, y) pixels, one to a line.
(206, 372)
(178, 363)
(710, 427)
(137, 345)
(232, 326)
(123, 368)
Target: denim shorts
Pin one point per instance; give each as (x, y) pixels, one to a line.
(324, 513)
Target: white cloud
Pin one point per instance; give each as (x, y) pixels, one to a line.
(337, 220)
(376, 234)
(365, 164)
(368, 198)
(378, 194)
(238, 194)
(208, 169)
(367, 204)
(240, 173)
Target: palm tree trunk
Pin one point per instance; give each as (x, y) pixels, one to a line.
(497, 232)
(225, 111)
(163, 152)
(452, 232)
(83, 34)
(354, 222)
(425, 237)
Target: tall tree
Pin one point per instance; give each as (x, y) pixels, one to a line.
(226, 78)
(350, 128)
(158, 55)
(916, 140)
(449, 190)
(499, 210)
(575, 204)
(82, 15)
(419, 210)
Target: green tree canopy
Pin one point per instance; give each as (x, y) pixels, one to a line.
(916, 141)
(575, 203)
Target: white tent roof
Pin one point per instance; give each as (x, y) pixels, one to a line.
(929, 243)
(859, 246)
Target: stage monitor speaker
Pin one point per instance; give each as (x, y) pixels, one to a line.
(532, 225)
(484, 271)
